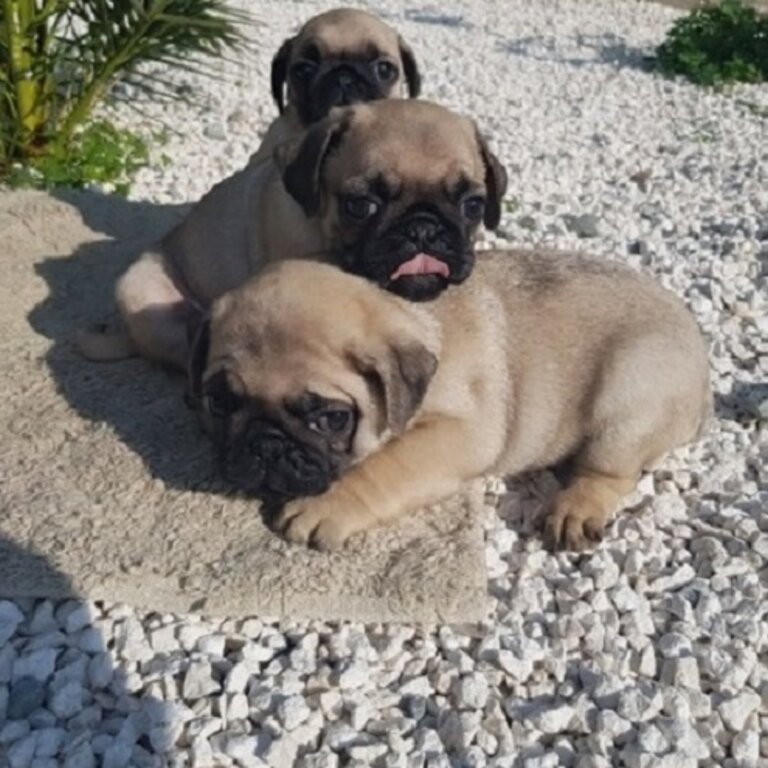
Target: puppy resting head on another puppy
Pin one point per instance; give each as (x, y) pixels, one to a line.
(401, 188)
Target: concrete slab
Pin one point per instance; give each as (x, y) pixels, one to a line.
(107, 487)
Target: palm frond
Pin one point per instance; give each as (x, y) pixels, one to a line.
(74, 50)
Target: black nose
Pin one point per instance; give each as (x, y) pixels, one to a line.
(423, 230)
(345, 79)
(266, 444)
(346, 87)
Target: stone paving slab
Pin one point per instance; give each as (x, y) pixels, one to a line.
(107, 488)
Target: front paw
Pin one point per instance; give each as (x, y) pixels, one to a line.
(325, 522)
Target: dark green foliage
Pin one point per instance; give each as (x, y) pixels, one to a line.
(58, 60)
(100, 154)
(716, 45)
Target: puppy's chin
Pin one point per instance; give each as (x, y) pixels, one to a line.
(386, 272)
(273, 487)
(277, 481)
(418, 287)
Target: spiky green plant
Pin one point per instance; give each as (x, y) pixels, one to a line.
(58, 58)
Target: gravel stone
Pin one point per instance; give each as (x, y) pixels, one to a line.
(100, 671)
(470, 691)
(81, 617)
(38, 665)
(198, 681)
(639, 704)
(26, 695)
(745, 748)
(339, 736)
(353, 675)
(736, 711)
(42, 621)
(48, 741)
(553, 720)
(292, 712)
(7, 660)
(66, 700)
(10, 618)
(117, 755)
(80, 757)
(681, 672)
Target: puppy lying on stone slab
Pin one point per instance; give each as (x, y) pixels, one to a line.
(355, 407)
(394, 190)
(341, 57)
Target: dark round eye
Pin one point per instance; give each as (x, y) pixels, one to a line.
(303, 70)
(385, 70)
(222, 403)
(473, 207)
(360, 207)
(330, 421)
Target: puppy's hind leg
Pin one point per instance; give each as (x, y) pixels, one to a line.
(651, 398)
(578, 514)
(155, 311)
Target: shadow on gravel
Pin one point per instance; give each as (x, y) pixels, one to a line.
(430, 14)
(142, 402)
(744, 402)
(582, 51)
(64, 697)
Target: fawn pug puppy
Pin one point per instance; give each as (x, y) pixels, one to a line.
(394, 190)
(353, 406)
(341, 57)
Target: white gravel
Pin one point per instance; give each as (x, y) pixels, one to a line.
(651, 651)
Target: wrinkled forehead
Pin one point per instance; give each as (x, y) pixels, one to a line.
(346, 36)
(277, 376)
(408, 152)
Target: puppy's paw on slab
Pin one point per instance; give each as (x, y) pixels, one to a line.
(323, 522)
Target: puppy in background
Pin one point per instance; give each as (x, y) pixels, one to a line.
(338, 58)
(395, 190)
(353, 407)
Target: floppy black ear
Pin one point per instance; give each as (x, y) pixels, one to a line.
(280, 73)
(412, 75)
(495, 184)
(199, 338)
(301, 167)
(400, 377)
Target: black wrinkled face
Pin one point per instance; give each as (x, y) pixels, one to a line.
(321, 83)
(414, 245)
(278, 452)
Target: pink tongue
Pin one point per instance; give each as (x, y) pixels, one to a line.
(421, 264)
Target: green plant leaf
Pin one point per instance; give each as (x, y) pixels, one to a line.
(58, 59)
